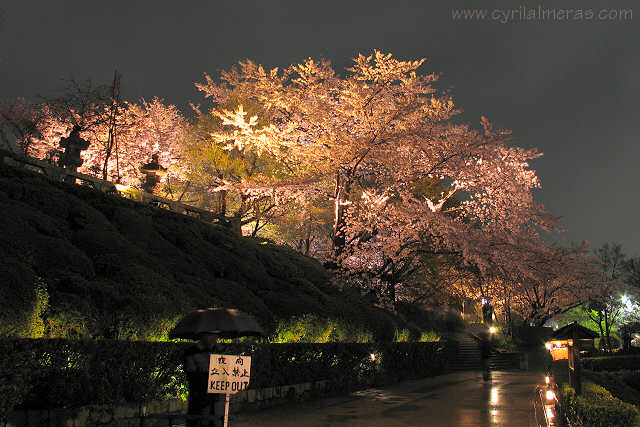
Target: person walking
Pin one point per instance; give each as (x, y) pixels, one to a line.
(485, 350)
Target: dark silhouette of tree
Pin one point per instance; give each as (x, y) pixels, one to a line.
(604, 306)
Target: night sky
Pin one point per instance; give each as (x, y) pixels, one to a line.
(568, 87)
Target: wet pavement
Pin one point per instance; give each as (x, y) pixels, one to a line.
(460, 399)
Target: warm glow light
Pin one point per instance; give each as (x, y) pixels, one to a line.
(121, 187)
(550, 414)
(373, 357)
(494, 395)
(492, 329)
(547, 379)
(548, 345)
(550, 395)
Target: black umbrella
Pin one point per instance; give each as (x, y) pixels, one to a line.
(225, 322)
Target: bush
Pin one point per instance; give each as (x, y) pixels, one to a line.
(430, 336)
(41, 373)
(611, 363)
(23, 299)
(118, 269)
(596, 407)
(625, 385)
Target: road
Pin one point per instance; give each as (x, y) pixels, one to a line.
(461, 399)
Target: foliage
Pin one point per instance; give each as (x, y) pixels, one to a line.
(611, 305)
(212, 167)
(597, 407)
(376, 144)
(531, 337)
(19, 125)
(111, 268)
(430, 336)
(311, 328)
(23, 299)
(122, 136)
(72, 373)
(612, 363)
(368, 171)
(615, 376)
(623, 384)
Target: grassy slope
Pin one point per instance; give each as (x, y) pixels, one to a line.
(98, 265)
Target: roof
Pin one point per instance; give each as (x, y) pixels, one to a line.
(566, 332)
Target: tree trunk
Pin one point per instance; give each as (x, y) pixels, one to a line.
(607, 330)
(340, 208)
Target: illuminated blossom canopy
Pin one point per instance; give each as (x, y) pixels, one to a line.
(365, 142)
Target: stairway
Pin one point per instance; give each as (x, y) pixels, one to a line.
(470, 356)
(502, 360)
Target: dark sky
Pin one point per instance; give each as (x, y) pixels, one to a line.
(568, 87)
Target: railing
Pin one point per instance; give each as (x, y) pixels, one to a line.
(57, 173)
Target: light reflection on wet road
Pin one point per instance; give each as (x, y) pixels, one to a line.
(461, 399)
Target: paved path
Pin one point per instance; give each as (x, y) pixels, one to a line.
(461, 399)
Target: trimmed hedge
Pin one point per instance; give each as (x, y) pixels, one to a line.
(596, 407)
(625, 385)
(78, 263)
(612, 363)
(41, 373)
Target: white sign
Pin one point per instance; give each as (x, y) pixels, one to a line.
(228, 374)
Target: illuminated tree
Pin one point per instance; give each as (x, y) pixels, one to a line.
(550, 280)
(363, 141)
(144, 130)
(605, 305)
(214, 171)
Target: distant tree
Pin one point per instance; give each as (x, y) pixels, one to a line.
(19, 125)
(604, 307)
(80, 103)
(632, 271)
(551, 280)
(121, 139)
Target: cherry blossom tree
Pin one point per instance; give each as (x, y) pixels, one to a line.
(363, 141)
(19, 125)
(144, 130)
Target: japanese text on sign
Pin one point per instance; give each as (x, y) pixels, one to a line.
(228, 374)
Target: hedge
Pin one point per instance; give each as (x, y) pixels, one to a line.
(625, 385)
(78, 263)
(612, 363)
(51, 373)
(596, 407)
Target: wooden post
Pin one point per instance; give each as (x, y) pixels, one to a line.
(226, 409)
(576, 363)
(575, 380)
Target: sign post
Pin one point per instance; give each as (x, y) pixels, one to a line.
(228, 374)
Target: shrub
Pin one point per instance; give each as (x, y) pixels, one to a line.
(310, 328)
(430, 336)
(625, 385)
(48, 373)
(115, 268)
(596, 407)
(23, 299)
(611, 363)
